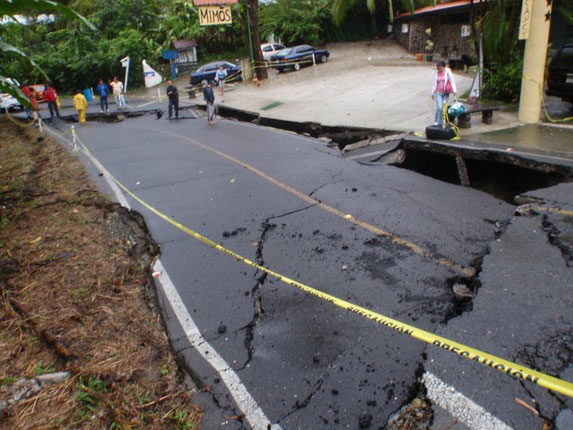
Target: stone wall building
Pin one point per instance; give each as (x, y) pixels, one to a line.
(443, 30)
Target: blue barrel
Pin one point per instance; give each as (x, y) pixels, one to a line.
(88, 95)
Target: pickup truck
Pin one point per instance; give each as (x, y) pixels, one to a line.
(298, 56)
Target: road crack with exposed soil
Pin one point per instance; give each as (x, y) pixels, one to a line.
(258, 310)
(558, 239)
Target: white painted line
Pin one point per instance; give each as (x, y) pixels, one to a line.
(253, 413)
(246, 403)
(459, 406)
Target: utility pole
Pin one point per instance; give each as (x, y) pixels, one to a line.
(535, 22)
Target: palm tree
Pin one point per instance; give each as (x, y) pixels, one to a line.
(341, 7)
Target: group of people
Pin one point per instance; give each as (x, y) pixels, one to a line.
(49, 95)
(208, 96)
(103, 90)
(444, 85)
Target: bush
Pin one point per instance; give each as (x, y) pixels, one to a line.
(503, 81)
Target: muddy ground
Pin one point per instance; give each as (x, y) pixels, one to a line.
(81, 344)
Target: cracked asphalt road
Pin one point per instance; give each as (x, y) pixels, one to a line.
(309, 364)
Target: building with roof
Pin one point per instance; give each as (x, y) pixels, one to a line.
(446, 25)
(186, 54)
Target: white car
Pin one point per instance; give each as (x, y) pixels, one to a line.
(9, 103)
(270, 49)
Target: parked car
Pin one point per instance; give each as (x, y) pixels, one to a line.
(270, 49)
(207, 72)
(560, 74)
(9, 103)
(298, 56)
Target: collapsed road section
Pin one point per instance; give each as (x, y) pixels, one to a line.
(499, 171)
(305, 363)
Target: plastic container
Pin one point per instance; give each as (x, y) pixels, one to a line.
(88, 95)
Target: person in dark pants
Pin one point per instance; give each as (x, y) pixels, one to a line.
(51, 97)
(103, 90)
(173, 95)
(209, 97)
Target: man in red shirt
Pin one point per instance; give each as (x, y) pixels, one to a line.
(51, 97)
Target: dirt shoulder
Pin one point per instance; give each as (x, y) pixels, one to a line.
(76, 297)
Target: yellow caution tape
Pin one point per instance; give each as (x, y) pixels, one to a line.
(554, 210)
(447, 120)
(511, 369)
(540, 89)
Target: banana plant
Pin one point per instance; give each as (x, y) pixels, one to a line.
(13, 8)
(341, 7)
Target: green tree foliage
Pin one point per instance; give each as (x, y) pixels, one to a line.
(503, 53)
(74, 57)
(341, 8)
(10, 55)
(181, 21)
(503, 80)
(300, 21)
(296, 21)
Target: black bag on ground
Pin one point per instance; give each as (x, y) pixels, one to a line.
(439, 132)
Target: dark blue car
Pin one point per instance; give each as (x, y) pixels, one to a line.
(298, 56)
(207, 72)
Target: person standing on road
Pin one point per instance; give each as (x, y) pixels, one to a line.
(51, 97)
(118, 92)
(173, 95)
(30, 112)
(103, 90)
(80, 104)
(220, 77)
(33, 96)
(444, 85)
(209, 97)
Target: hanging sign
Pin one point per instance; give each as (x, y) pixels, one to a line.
(213, 15)
(525, 23)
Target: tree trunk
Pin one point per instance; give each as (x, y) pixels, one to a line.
(260, 70)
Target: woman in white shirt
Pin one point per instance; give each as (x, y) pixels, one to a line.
(444, 85)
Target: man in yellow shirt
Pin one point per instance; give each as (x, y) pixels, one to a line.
(80, 104)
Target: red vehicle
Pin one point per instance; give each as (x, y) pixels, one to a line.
(39, 89)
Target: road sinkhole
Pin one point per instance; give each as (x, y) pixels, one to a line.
(502, 174)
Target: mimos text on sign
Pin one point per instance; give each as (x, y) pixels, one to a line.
(214, 15)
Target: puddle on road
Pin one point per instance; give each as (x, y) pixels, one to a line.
(533, 136)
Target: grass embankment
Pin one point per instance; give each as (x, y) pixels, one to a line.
(74, 297)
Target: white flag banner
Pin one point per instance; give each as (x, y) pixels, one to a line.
(152, 78)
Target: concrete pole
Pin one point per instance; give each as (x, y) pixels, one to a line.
(534, 62)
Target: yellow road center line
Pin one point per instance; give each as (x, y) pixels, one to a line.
(465, 271)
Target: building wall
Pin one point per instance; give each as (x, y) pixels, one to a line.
(448, 42)
(402, 38)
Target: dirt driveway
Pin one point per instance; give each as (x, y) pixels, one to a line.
(371, 84)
